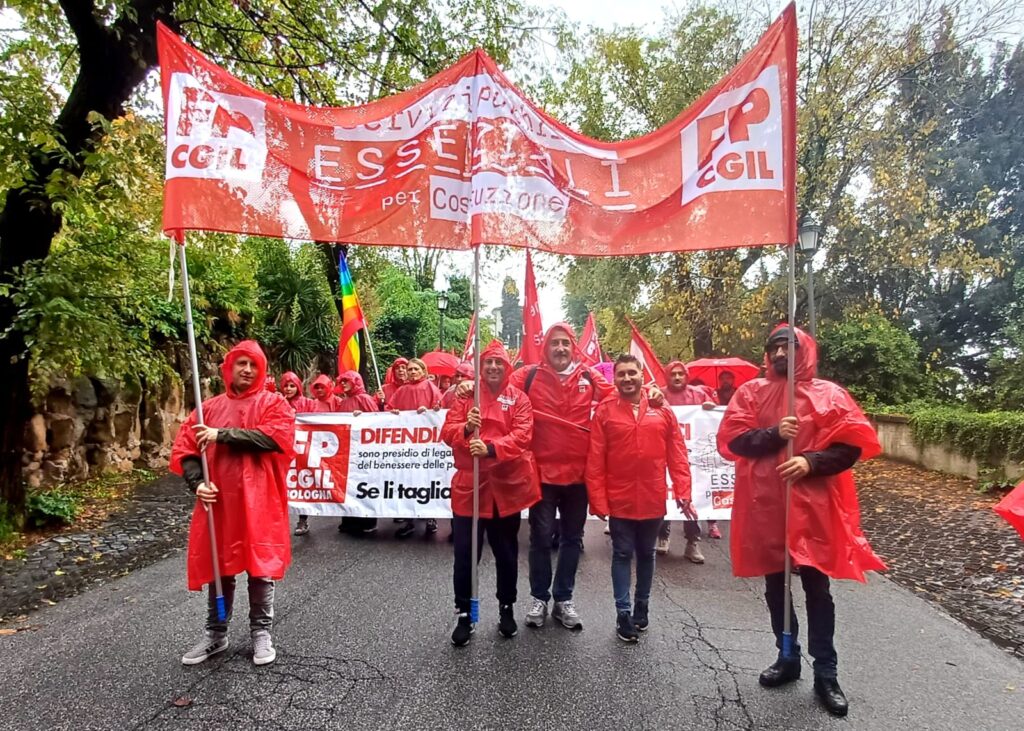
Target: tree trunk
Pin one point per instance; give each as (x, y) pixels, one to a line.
(113, 61)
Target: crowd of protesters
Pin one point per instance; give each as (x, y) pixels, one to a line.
(559, 439)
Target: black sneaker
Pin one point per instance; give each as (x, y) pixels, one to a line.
(407, 529)
(463, 630)
(431, 526)
(506, 622)
(624, 628)
(640, 620)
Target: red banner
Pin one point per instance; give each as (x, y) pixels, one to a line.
(589, 345)
(465, 158)
(533, 329)
(642, 351)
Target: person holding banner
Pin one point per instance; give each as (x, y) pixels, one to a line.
(680, 393)
(291, 388)
(248, 439)
(394, 378)
(632, 445)
(418, 393)
(508, 484)
(829, 434)
(324, 401)
(353, 397)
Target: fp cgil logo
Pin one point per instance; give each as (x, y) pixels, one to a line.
(214, 135)
(736, 142)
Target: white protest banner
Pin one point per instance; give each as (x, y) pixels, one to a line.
(396, 466)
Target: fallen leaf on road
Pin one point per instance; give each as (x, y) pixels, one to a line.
(58, 572)
(50, 602)
(999, 566)
(182, 701)
(8, 632)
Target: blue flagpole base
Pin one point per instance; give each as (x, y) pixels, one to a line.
(474, 610)
(787, 645)
(222, 611)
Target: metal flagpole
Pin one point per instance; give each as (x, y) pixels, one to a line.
(474, 602)
(190, 328)
(369, 345)
(787, 600)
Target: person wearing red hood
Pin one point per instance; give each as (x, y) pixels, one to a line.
(394, 378)
(418, 393)
(354, 399)
(463, 373)
(562, 392)
(508, 484)
(248, 440)
(291, 389)
(324, 400)
(632, 447)
(829, 434)
(680, 392)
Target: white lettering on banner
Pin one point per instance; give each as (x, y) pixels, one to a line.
(213, 135)
(528, 197)
(736, 143)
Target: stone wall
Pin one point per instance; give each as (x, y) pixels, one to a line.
(92, 425)
(897, 438)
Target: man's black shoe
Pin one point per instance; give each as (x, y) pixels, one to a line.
(625, 629)
(640, 620)
(406, 530)
(463, 631)
(431, 526)
(507, 622)
(831, 696)
(780, 673)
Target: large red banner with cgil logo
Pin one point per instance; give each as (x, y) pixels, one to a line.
(465, 158)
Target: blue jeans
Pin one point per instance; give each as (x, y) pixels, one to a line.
(821, 618)
(629, 538)
(571, 503)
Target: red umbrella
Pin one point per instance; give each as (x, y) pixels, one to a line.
(440, 363)
(708, 369)
(1011, 508)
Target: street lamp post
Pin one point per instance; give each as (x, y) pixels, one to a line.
(810, 233)
(442, 305)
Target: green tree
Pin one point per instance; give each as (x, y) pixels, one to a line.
(511, 314)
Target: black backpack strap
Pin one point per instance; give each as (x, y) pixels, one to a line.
(529, 379)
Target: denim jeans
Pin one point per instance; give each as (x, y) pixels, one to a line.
(571, 503)
(821, 618)
(503, 536)
(629, 538)
(261, 604)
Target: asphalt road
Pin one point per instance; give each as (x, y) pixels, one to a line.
(362, 635)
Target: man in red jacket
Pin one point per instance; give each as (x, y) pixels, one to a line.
(681, 393)
(631, 445)
(248, 440)
(562, 392)
(829, 434)
(508, 484)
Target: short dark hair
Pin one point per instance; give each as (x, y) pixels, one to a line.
(628, 358)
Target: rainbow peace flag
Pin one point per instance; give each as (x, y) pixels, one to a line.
(352, 320)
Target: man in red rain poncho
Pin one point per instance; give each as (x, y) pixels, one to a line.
(679, 392)
(463, 373)
(508, 484)
(632, 447)
(324, 400)
(829, 434)
(248, 439)
(394, 378)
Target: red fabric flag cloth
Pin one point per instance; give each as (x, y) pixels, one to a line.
(1011, 508)
(251, 512)
(824, 526)
(590, 346)
(466, 158)
(467, 349)
(641, 349)
(533, 330)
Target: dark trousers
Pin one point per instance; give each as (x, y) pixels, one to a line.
(821, 618)
(261, 604)
(570, 501)
(691, 529)
(503, 535)
(632, 538)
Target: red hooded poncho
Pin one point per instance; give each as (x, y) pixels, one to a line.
(300, 404)
(560, 449)
(411, 396)
(251, 512)
(508, 481)
(391, 382)
(824, 530)
(688, 395)
(330, 402)
(357, 399)
(449, 396)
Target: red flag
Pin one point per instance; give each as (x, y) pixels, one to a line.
(1011, 508)
(533, 330)
(589, 346)
(641, 349)
(467, 349)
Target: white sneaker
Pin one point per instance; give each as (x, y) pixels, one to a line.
(565, 612)
(263, 652)
(692, 552)
(537, 614)
(661, 546)
(206, 648)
